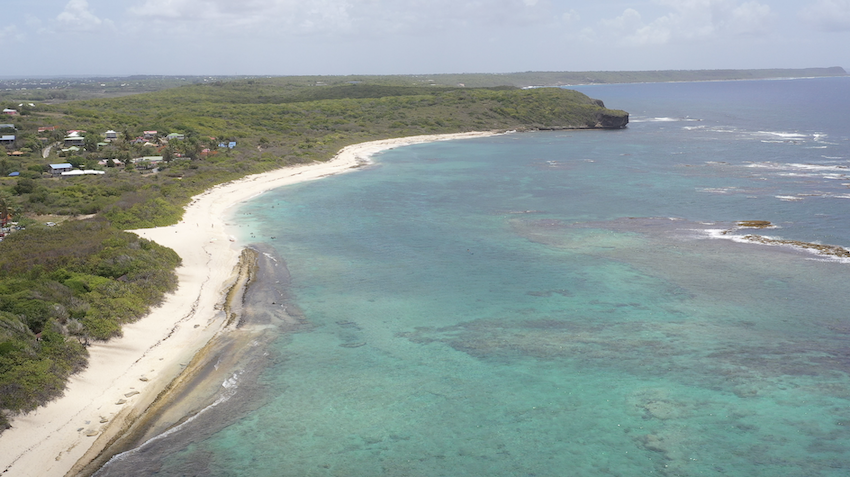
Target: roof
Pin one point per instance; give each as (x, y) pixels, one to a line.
(7, 126)
(7, 137)
(86, 172)
(64, 165)
(14, 174)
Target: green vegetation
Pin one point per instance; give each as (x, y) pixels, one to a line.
(64, 286)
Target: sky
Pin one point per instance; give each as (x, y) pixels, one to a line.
(340, 37)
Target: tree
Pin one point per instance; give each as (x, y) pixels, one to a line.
(90, 142)
(24, 185)
(168, 153)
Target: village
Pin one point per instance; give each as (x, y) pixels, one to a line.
(36, 152)
(89, 153)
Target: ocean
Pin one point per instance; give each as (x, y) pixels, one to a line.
(554, 303)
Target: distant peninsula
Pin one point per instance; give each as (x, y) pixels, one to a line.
(64, 88)
(572, 78)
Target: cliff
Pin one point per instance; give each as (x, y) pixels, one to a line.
(612, 119)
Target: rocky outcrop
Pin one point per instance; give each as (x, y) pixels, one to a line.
(612, 119)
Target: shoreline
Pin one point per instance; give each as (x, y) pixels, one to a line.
(125, 376)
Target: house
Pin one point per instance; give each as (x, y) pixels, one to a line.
(14, 174)
(8, 126)
(46, 129)
(111, 135)
(7, 139)
(10, 112)
(147, 162)
(229, 145)
(75, 141)
(175, 137)
(75, 132)
(58, 169)
(149, 135)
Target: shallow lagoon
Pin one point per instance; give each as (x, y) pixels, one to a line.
(557, 303)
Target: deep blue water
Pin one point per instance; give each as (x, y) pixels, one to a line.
(562, 303)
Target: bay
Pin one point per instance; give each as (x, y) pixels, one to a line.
(557, 303)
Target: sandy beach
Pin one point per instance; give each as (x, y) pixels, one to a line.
(125, 375)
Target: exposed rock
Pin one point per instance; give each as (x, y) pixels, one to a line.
(755, 224)
(830, 250)
(611, 120)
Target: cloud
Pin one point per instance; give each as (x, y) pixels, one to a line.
(77, 18)
(10, 34)
(828, 15)
(570, 17)
(365, 17)
(228, 17)
(690, 20)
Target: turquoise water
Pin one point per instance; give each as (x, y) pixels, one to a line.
(560, 303)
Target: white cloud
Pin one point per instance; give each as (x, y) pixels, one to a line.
(228, 17)
(690, 20)
(78, 18)
(630, 20)
(10, 33)
(828, 15)
(366, 17)
(570, 17)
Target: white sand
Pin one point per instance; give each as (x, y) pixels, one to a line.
(135, 368)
